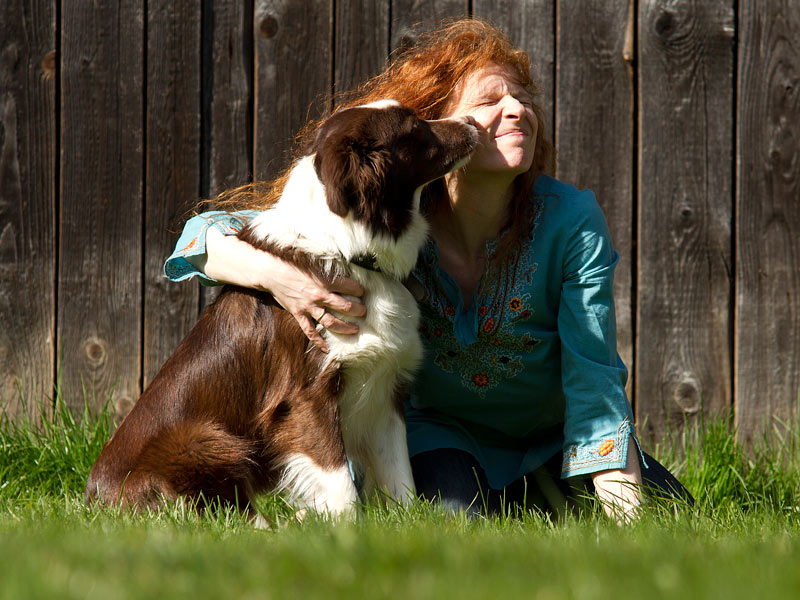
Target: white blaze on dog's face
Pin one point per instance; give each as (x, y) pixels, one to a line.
(374, 160)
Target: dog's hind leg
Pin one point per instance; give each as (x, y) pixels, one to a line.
(200, 461)
(325, 490)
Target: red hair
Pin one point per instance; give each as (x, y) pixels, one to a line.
(426, 78)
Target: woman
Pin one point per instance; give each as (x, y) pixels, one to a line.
(521, 395)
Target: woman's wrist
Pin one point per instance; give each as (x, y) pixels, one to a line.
(230, 260)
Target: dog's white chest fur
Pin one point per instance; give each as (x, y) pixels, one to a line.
(376, 364)
(378, 361)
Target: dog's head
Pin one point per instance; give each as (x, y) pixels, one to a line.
(375, 159)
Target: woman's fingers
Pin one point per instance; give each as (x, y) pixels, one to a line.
(346, 286)
(309, 328)
(308, 324)
(309, 313)
(312, 302)
(336, 325)
(348, 306)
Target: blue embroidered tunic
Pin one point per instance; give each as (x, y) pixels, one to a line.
(529, 368)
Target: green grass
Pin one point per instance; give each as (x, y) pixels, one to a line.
(740, 540)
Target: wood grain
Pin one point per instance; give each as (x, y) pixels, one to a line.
(227, 109)
(292, 76)
(529, 25)
(361, 41)
(683, 362)
(173, 170)
(708, 153)
(27, 204)
(100, 245)
(412, 17)
(768, 218)
(594, 129)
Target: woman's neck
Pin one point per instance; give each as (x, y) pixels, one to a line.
(475, 213)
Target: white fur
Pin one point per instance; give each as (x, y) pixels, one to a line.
(387, 350)
(377, 361)
(308, 485)
(381, 103)
(301, 219)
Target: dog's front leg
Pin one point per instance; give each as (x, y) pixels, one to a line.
(391, 467)
(329, 491)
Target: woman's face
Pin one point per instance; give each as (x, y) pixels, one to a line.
(503, 110)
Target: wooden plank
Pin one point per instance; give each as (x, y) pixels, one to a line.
(361, 41)
(683, 362)
(227, 110)
(768, 217)
(228, 88)
(529, 25)
(292, 75)
(412, 17)
(27, 203)
(594, 129)
(173, 170)
(99, 291)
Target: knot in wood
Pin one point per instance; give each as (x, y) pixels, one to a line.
(268, 26)
(95, 352)
(687, 394)
(123, 405)
(666, 24)
(49, 64)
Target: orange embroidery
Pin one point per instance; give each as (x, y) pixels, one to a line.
(515, 304)
(480, 379)
(606, 447)
(192, 245)
(488, 325)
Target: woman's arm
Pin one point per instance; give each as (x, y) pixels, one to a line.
(230, 260)
(599, 434)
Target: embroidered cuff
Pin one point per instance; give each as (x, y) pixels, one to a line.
(193, 243)
(600, 455)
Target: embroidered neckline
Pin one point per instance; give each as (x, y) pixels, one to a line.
(495, 350)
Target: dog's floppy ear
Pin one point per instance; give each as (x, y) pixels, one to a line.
(351, 169)
(334, 160)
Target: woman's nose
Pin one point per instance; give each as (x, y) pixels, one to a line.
(512, 107)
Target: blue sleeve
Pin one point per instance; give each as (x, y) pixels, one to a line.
(192, 242)
(598, 418)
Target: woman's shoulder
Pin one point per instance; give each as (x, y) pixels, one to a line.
(550, 188)
(564, 204)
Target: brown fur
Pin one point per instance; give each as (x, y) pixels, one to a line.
(245, 390)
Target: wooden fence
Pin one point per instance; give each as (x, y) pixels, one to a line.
(683, 116)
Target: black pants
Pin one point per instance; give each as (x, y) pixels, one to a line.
(454, 478)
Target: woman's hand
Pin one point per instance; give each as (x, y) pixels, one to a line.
(230, 260)
(620, 490)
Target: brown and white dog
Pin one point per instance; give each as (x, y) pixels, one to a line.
(246, 404)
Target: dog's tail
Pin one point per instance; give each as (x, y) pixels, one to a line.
(197, 460)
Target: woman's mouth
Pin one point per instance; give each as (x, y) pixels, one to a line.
(510, 133)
